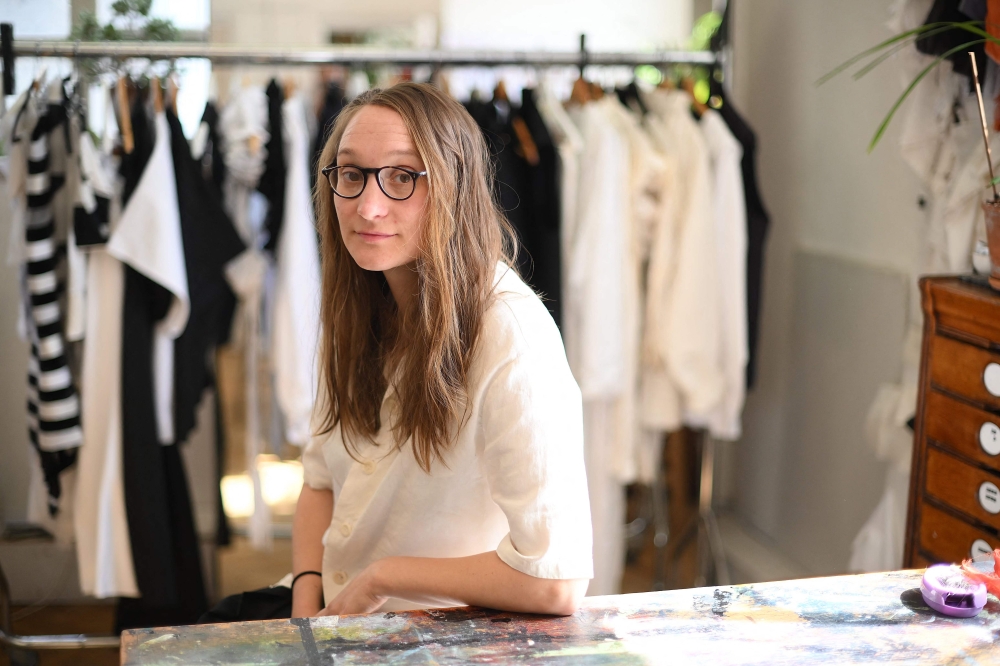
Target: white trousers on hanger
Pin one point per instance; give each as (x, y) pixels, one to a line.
(607, 497)
(103, 547)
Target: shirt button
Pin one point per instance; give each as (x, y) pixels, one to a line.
(339, 577)
(345, 529)
(369, 467)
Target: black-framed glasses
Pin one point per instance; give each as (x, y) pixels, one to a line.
(348, 181)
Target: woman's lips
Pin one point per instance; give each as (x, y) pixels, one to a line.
(373, 236)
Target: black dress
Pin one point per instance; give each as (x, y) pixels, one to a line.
(272, 181)
(165, 550)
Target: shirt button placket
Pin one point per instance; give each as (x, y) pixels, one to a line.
(339, 577)
(345, 529)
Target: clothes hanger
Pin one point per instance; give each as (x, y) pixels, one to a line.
(581, 92)
(527, 147)
(500, 92)
(699, 107)
(125, 117)
(173, 88)
(157, 92)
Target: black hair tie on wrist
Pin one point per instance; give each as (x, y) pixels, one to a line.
(301, 574)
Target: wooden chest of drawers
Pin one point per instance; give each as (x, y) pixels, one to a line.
(954, 507)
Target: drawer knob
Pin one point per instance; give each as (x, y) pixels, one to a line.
(989, 497)
(991, 378)
(989, 438)
(980, 547)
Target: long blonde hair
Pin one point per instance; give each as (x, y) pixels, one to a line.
(426, 351)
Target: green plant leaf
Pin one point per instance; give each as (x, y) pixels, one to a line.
(913, 84)
(88, 29)
(109, 33)
(121, 7)
(896, 49)
(875, 49)
(160, 30)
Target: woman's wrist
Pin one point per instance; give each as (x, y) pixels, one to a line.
(307, 595)
(380, 577)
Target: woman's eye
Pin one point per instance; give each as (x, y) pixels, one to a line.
(402, 178)
(351, 177)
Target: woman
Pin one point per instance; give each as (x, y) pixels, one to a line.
(447, 464)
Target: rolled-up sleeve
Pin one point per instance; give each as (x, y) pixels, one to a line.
(315, 471)
(533, 453)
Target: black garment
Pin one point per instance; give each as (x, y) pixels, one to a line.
(161, 527)
(333, 104)
(53, 403)
(543, 238)
(757, 224)
(942, 42)
(210, 242)
(212, 160)
(528, 195)
(182, 562)
(269, 603)
(631, 99)
(973, 9)
(511, 189)
(272, 181)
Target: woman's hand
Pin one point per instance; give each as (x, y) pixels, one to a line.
(362, 595)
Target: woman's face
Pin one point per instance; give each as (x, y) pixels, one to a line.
(380, 233)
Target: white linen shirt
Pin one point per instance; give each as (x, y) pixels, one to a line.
(513, 480)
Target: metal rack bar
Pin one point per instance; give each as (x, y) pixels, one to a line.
(53, 642)
(354, 56)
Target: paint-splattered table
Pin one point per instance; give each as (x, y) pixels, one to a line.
(846, 619)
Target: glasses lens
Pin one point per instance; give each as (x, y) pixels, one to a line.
(347, 181)
(397, 183)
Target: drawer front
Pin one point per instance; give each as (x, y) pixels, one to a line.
(920, 562)
(949, 539)
(972, 432)
(968, 371)
(961, 486)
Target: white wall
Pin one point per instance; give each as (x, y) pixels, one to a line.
(842, 240)
(626, 25)
(308, 22)
(15, 451)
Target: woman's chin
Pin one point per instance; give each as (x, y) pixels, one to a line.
(377, 261)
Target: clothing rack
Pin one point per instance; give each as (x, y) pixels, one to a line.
(350, 56)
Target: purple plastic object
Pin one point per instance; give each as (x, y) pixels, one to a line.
(947, 590)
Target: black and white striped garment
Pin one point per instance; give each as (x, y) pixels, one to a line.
(53, 401)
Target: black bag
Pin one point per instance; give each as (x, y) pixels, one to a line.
(269, 603)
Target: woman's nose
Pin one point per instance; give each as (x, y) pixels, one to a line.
(372, 204)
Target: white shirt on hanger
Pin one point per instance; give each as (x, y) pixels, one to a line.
(730, 217)
(295, 326)
(597, 322)
(513, 480)
(682, 372)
